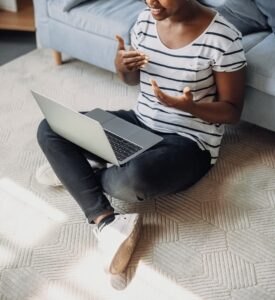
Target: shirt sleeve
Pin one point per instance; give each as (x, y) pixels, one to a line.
(134, 36)
(232, 59)
(139, 29)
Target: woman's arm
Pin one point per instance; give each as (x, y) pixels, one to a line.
(229, 104)
(227, 107)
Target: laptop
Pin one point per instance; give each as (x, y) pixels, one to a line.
(99, 132)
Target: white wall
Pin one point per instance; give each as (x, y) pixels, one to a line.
(10, 5)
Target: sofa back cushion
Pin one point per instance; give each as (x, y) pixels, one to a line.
(212, 3)
(267, 7)
(104, 18)
(244, 14)
(69, 4)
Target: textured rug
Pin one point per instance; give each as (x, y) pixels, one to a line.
(214, 241)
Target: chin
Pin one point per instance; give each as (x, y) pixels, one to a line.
(159, 17)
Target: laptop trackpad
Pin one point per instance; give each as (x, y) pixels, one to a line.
(99, 115)
(121, 127)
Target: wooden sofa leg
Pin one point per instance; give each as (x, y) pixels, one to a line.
(57, 57)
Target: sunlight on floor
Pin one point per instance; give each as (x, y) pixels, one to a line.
(158, 285)
(147, 283)
(6, 255)
(87, 280)
(26, 219)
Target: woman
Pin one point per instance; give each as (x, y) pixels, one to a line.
(190, 63)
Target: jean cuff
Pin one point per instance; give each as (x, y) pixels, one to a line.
(91, 217)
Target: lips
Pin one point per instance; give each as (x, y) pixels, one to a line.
(156, 11)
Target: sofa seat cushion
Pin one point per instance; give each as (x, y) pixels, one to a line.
(105, 18)
(252, 39)
(261, 66)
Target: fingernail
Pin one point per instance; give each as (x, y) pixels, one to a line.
(147, 57)
(186, 89)
(145, 61)
(142, 66)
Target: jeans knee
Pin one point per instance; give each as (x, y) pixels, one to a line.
(124, 183)
(140, 184)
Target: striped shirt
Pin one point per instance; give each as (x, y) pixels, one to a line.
(218, 48)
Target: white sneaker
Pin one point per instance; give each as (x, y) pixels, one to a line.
(117, 241)
(45, 174)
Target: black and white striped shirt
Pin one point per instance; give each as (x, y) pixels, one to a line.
(218, 48)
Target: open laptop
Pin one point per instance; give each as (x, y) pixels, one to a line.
(99, 132)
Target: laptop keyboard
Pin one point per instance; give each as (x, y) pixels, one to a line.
(122, 147)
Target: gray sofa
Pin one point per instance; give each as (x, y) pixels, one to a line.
(87, 32)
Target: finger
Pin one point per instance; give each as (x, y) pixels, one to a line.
(157, 90)
(136, 65)
(187, 93)
(154, 83)
(131, 48)
(155, 86)
(187, 90)
(121, 44)
(134, 60)
(135, 54)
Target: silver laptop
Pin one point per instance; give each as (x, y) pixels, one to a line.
(99, 132)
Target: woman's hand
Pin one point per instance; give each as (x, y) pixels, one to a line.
(129, 61)
(183, 102)
(227, 107)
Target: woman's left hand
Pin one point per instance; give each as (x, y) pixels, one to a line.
(184, 102)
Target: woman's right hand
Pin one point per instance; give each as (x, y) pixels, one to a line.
(129, 61)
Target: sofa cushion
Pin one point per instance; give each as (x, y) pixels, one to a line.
(69, 4)
(252, 39)
(212, 3)
(261, 66)
(245, 15)
(105, 18)
(267, 7)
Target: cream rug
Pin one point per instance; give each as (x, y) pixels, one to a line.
(213, 241)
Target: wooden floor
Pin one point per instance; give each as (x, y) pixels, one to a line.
(21, 20)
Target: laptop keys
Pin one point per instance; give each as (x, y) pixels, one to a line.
(122, 148)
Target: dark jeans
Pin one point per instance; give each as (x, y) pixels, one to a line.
(170, 166)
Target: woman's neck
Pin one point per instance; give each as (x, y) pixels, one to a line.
(188, 14)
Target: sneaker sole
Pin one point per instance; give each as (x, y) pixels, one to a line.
(126, 249)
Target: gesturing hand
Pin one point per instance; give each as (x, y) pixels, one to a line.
(129, 61)
(184, 102)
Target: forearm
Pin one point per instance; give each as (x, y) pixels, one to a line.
(130, 78)
(221, 112)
